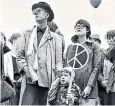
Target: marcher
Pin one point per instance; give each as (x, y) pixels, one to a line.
(86, 77)
(103, 66)
(7, 89)
(39, 56)
(58, 93)
(96, 38)
(110, 55)
(5, 54)
(14, 40)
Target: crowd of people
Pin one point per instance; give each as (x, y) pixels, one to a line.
(38, 68)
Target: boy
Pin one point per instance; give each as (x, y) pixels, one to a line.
(58, 93)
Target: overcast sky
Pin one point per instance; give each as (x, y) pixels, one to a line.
(16, 16)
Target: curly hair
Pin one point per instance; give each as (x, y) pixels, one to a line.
(110, 34)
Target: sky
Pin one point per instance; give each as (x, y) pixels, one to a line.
(16, 16)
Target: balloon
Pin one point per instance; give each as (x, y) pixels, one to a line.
(95, 3)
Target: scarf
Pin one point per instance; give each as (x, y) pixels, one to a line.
(30, 50)
(31, 42)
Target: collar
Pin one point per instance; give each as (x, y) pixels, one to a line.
(41, 30)
(6, 49)
(87, 41)
(64, 85)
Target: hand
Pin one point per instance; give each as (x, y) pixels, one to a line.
(86, 91)
(26, 70)
(70, 95)
(70, 98)
(33, 74)
(104, 84)
(20, 80)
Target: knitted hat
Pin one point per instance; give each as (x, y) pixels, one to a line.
(88, 34)
(82, 21)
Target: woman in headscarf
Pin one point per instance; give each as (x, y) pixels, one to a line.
(86, 77)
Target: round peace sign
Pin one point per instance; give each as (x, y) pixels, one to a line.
(78, 57)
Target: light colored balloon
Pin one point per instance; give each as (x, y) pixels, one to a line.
(95, 3)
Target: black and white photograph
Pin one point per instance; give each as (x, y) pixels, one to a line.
(57, 52)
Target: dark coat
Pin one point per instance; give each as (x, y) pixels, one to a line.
(88, 74)
(101, 76)
(111, 57)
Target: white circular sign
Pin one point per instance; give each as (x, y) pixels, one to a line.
(78, 56)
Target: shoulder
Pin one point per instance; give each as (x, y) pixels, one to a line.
(27, 32)
(92, 44)
(69, 46)
(57, 37)
(95, 46)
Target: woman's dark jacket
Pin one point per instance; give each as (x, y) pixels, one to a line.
(89, 73)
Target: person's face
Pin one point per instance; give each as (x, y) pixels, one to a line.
(65, 78)
(110, 41)
(97, 41)
(40, 14)
(80, 30)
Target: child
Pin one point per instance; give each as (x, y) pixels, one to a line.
(58, 93)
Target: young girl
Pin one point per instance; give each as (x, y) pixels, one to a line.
(58, 93)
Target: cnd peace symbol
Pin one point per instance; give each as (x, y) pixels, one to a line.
(78, 57)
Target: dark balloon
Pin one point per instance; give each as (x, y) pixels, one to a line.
(95, 3)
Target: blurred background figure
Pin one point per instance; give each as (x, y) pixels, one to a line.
(6, 72)
(96, 38)
(106, 80)
(14, 40)
(5, 52)
(110, 55)
(54, 28)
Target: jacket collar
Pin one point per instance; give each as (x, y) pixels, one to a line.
(6, 49)
(87, 41)
(46, 36)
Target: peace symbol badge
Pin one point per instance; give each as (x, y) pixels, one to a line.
(78, 57)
